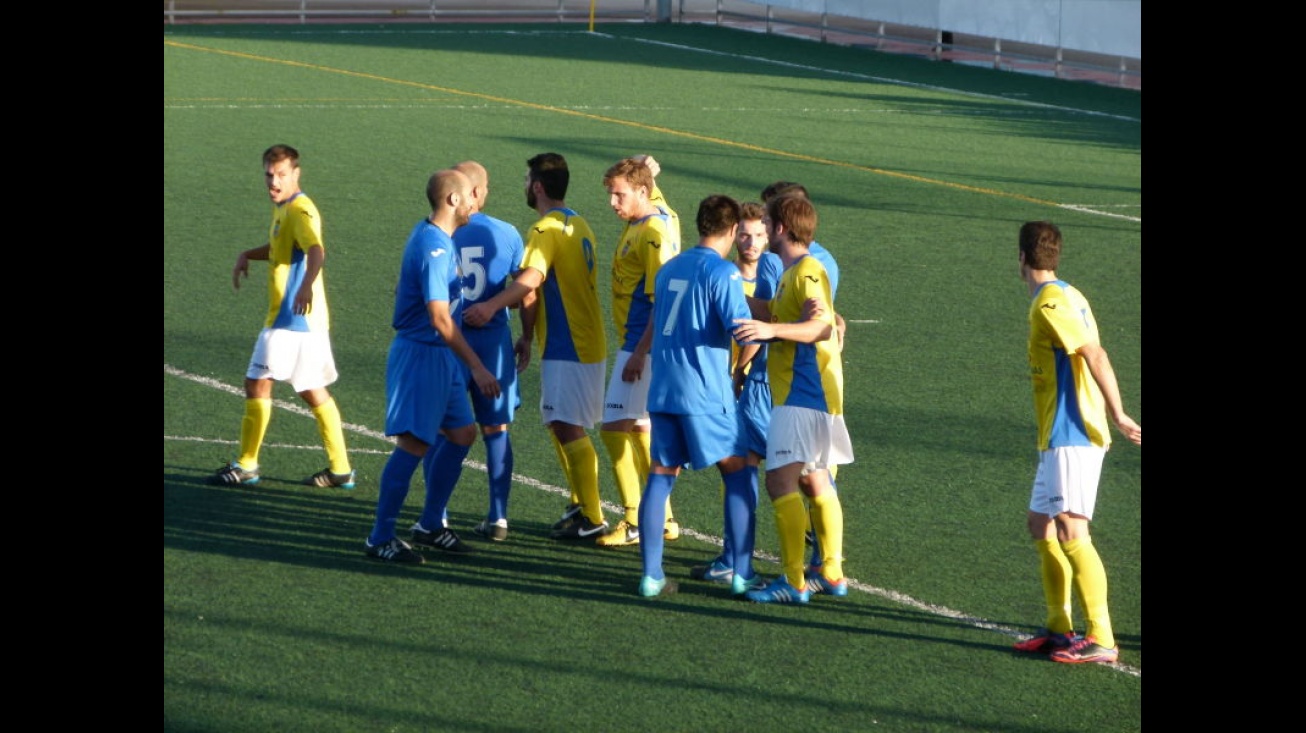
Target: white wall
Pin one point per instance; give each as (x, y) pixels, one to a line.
(1112, 27)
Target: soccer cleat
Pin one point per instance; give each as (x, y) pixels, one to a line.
(325, 478)
(648, 587)
(739, 586)
(623, 534)
(445, 540)
(818, 583)
(716, 571)
(497, 531)
(1045, 642)
(233, 475)
(1086, 649)
(568, 515)
(779, 591)
(671, 530)
(396, 550)
(580, 529)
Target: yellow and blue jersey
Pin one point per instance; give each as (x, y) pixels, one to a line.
(805, 375)
(1067, 402)
(296, 228)
(570, 322)
(645, 245)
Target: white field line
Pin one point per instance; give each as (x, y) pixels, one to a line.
(613, 509)
(1080, 208)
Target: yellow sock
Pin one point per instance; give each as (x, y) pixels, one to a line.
(566, 470)
(643, 445)
(333, 436)
(827, 521)
(583, 475)
(790, 525)
(258, 413)
(1056, 585)
(621, 449)
(1090, 583)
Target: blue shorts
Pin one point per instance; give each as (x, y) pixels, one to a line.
(425, 390)
(698, 441)
(754, 415)
(494, 346)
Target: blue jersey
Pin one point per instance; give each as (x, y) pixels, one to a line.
(490, 253)
(697, 297)
(429, 271)
(823, 256)
(769, 269)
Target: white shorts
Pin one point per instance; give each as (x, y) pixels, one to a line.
(816, 439)
(571, 392)
(627, 400)
(1067, 480)
(302, 358)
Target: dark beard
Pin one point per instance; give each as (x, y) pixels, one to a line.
(531, 200)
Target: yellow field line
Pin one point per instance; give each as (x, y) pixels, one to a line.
(628, 123)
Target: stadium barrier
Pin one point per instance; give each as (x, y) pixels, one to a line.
(1087, 40)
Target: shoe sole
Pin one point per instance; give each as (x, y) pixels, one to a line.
(217, 481)
(488, 534)
(1100, 659)
(668, 589)
(580, 534)
(456, 550)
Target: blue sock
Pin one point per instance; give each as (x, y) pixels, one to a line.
(428, 461)
(444, 465)
(652, 515)
(498, 463)
(395, 478)
(741, 518)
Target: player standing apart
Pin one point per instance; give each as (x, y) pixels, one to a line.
(425, 378)
(698, 297)
(558, 293)
(295, 343)
(1075, 392)
(807, 434)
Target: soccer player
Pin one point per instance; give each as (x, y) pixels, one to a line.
(650, 238)
(426, 378)
(759, 271)
(807, 434)
(698, 297)
(1075, 393)
(295, 343)
(559, 266)
(490, 252)
(823, 256)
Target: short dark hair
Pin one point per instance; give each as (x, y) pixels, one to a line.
(1040, 242)
(716, 214)
(550, 169)
(797, 215)
(781, 187)
(278, 153)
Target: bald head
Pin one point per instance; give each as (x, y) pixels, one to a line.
(449, 192)
(446, 182)
(475, 173)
